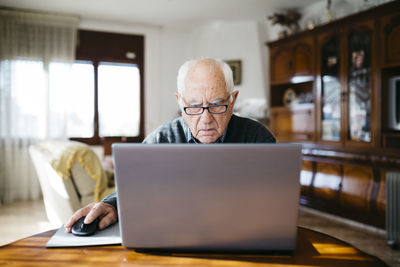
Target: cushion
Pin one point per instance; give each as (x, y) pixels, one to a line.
(78, 161)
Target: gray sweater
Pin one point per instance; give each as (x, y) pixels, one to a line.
(239, 130)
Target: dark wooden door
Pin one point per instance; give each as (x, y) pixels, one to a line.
(390, 39)
(303, 57)
(281, 64)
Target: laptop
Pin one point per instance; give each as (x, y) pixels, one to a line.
(208, 198)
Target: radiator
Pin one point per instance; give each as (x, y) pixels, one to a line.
(393, 208)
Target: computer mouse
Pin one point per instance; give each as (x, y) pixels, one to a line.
(82, 229)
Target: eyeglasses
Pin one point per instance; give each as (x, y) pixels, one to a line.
(212, 109)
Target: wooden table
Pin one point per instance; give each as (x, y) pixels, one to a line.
(313, 249)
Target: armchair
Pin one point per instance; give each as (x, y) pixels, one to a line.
(70, 175)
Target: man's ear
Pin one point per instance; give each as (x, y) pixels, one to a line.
(177, 96)
(178, 99)
(234, 96)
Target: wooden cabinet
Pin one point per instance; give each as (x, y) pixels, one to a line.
(354, 190)
(293, 123)
(327, 182)
(359, 105)
(303, 62)
(346, 84)
(390, 39)
(329, 86)
(292, 69)
(381, 194)
(390, 61)
(356, 187)
(281, 64)
(291, 60)
(306, 177)
(347, 145)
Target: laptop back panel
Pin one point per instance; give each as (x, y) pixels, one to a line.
(208, 197)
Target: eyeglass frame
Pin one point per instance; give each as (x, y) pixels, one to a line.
(208, 109)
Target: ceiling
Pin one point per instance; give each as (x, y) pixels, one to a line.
(167, 13)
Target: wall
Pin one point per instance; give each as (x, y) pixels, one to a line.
(176, 48)
(231, 40)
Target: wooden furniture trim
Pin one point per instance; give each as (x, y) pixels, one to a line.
(348, 157)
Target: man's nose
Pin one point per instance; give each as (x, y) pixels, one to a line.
(206, 116)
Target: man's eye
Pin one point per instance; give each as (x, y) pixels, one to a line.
(194, 109)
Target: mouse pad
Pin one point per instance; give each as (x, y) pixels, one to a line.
(108, 236)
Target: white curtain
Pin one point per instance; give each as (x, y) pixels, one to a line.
(36, 52)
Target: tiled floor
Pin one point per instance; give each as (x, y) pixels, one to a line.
(22, 219)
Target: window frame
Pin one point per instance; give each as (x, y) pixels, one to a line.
(96, 47)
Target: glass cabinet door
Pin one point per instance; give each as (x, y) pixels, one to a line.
(331, 90)
(359, 85)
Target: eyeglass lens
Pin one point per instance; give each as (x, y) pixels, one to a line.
(214, 109)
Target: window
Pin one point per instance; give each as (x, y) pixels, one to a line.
(119, 99)
(80, 122)
(107, 86)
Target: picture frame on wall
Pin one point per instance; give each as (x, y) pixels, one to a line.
(236, 66)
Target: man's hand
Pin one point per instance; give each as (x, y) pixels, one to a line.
(106, 212)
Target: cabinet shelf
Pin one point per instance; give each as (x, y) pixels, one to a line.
(294, 107)
(303, 92)
(294, 80)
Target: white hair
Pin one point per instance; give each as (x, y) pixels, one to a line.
(188, 65)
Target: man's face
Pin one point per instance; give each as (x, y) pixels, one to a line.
(205, 85)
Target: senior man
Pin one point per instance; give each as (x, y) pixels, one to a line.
(206, 99)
